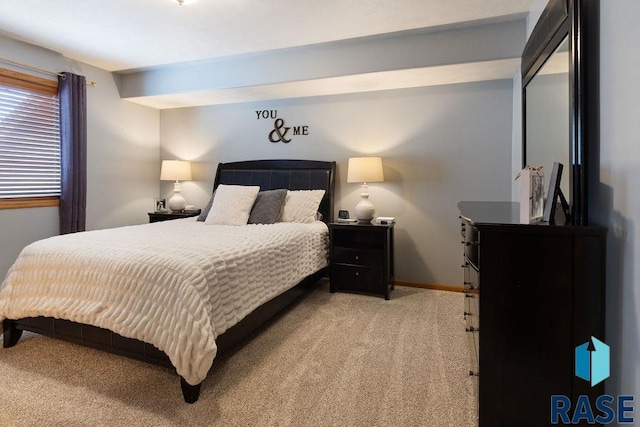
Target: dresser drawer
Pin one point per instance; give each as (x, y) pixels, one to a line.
(356, 277)
(474, 353)
(471, 310)
(358, 257)
(471, 278)
(470, 242)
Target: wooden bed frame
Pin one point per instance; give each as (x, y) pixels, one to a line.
(268, 174)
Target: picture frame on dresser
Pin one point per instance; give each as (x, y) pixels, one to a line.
(160, 205)
(553, 194)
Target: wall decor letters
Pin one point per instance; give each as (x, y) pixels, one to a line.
(280, 131)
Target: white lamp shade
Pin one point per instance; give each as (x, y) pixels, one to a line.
(175, 170)
(365, 169)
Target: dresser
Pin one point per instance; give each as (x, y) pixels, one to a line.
(362, 258)
(542, 291)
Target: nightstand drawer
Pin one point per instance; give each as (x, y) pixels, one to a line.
(370, 238)
(356, 277)
(358, 257)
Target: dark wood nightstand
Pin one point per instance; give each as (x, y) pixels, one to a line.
(362, 258)
(166, 216)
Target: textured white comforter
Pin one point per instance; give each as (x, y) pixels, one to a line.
(175, 284)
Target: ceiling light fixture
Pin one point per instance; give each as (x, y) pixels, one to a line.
(181, 2)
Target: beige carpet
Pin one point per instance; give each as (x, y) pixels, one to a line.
(332, 360)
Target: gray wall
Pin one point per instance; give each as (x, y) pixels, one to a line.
(616, 200)
(439, 145)
(122, 157)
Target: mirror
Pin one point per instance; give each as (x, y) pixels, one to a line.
(547, 115)
(560, 98)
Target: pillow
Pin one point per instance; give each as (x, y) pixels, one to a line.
(301, 205)
(232, 204)
(205, 211)
(268, 207)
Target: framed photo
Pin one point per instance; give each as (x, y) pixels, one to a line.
(531, 195)
(537, 197)
(160, 205)
(553, 194)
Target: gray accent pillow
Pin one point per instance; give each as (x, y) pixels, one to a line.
(205, 211)
(267, 207)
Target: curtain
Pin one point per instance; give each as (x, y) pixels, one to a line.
(72, 93)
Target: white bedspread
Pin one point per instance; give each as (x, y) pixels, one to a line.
(175, 284)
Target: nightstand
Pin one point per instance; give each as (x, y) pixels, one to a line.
(166, 216)
(361, 258)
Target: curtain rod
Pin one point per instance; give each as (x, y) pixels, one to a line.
(40, 70)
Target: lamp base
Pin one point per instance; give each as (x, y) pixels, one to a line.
(177, 202)
(364, 209)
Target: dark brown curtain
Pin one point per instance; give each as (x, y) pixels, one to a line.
(72, 92)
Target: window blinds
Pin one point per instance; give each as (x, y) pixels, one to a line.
(29, 143)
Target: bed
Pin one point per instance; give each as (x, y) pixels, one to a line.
(160, 305)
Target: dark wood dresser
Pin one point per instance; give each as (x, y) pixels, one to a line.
(542, 289)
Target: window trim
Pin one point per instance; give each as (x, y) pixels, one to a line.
(29, 202)
(44, 86)
(26, 81)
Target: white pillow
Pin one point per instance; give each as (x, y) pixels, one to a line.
(301, 205)
(232, 204)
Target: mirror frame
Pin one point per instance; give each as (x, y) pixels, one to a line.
(577, 19)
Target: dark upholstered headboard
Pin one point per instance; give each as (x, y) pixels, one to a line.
(289, 174)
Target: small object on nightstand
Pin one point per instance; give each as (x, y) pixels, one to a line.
(343, 216)
(347, 220)
(362, 258)
(383, 220)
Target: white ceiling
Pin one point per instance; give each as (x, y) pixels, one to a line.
(120, 35)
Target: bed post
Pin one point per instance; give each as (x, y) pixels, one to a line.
(191, 393)
(11, 334)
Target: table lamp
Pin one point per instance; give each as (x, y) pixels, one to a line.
(176, 170)
(364, 170)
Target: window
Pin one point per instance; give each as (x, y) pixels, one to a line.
(29, 141)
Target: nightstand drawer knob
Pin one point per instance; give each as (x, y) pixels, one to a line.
(357, 257)
(357, 273)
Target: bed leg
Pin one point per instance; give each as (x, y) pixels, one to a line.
(11, 334)
(190, 392)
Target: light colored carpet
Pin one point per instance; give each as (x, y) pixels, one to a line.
(332, 360)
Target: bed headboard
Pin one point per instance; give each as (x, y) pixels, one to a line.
(289, 174)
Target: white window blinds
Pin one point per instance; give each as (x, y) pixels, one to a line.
(29, 143)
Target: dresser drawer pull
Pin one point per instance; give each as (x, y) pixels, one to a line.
(472, 329)
(471, 243)
(474, 374)
(357, 257)
(357, 273)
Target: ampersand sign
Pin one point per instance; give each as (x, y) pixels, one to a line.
(278, 126)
